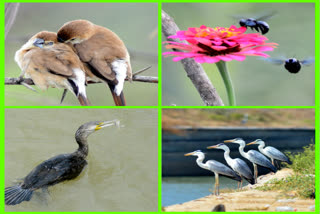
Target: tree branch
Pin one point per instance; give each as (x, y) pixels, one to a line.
(17, 81)
(194, 70)
(28, 81)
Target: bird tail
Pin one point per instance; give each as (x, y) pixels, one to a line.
(251, 180)
(273, 168)
(83, 100)
(16, 194)
(289, 161)
(118, 100)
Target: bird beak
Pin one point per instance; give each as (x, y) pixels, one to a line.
(188, 154)
(107, 123)
(228, 141)
(60, 40)
(253, 142)
(38, 42)
(212, 147)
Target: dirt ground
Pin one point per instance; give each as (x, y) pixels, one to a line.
(248, 200)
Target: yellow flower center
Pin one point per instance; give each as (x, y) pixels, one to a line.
(203, 33)
(230, 31)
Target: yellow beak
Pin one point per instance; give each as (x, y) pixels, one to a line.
(228, 141)
(212, 147)
(253, 142)
(188, 154)
(105, 124)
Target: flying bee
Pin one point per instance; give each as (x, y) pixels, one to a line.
(257, 24)
(292, 65)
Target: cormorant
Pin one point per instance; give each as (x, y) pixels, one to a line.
(56, 169)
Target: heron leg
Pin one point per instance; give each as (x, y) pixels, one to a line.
(218, 184)
(238, 185)
(272, 161)
(241, 183)
(255, 169)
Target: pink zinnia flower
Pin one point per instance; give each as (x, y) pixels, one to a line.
(211, 45)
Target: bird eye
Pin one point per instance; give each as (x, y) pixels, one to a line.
(73, 39)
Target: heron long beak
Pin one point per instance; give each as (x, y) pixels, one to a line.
(188, 154)
(253, 142)
(107, 123)
(212, 147)
(229, 141)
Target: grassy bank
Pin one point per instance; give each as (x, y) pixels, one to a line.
(279, 118)
(302, 182)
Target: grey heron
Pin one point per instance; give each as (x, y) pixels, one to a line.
(271, 152)
(215, 167)
(238, 165)
(253, 156)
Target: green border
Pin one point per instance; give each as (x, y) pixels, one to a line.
(2, 33)
(317, 103)
(159, 107)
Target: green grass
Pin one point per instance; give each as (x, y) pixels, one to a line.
(302, 182)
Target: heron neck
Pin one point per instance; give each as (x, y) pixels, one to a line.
(241, 150)
(260, 147)
(227, 155)
(200, 161)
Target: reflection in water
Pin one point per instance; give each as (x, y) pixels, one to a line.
(177, 190)
(121, 174)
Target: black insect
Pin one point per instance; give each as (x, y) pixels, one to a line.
(293, 65)
(257, 24)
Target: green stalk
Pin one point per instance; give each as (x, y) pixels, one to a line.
(222, 66)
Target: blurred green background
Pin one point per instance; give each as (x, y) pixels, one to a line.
(256, 82)
(135, 23)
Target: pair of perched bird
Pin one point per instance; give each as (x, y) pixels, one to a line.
(80, 51)
(239, 167)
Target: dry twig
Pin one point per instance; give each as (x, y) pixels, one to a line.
(28, 81)
(195, 72)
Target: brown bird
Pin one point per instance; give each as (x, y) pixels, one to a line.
(52, 64)
(102, 51)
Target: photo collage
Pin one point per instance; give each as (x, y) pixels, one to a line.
(161, 106)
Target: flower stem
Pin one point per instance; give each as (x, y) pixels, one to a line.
(222, 66)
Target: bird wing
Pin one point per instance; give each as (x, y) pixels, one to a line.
(222, 169)
(46, 60)
(242, 168)
(275, 154)
(98, 53)
(47, 172)
(103, 68)
(62, 59)
(259, 159)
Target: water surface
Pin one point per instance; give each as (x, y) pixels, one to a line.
(176, 190)
(121, 174)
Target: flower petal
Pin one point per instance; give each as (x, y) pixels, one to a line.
(211, 45)
(211, 59)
